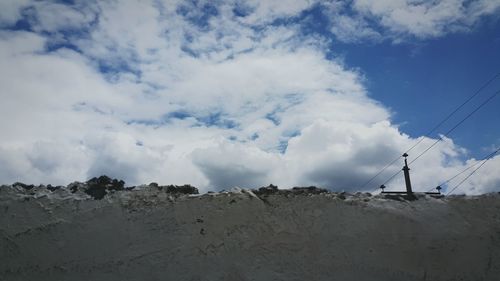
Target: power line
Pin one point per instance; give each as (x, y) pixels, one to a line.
(390, 179)
(483, 86)
(484, 162)
(446, 134)
(380, 172)
(466, 169)
(452, 178)
(456, 125)
(387, 181)
(456, 109)
(462, 105)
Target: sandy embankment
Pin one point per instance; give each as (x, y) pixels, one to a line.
(152, 235)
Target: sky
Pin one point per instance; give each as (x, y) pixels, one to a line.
(230, 93)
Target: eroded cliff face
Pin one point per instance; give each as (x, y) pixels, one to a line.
(153, 235)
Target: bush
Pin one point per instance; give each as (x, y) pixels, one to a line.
(99, 187)
(23, 185)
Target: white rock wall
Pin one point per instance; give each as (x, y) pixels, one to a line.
(145, 235)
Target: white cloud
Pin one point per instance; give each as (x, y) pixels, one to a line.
(10, 11)
(266, 11)
(147, 94)
(424, 19)
(349, 29)
(486, 179)
(52, 17)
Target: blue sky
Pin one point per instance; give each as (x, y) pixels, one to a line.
(424, 81)
(246, 93)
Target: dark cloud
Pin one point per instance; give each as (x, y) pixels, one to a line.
(230, 165)
(228, 176)
(347, 176)
(114, 168)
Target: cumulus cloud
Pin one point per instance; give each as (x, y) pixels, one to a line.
(210, 94)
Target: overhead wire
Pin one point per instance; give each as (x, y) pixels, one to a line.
(483, 86)
(466, 169)
(452, 178)
(474, 171)
(446, 134)
(456, 110)
(456, 126)
(380, 172)
(390, 179)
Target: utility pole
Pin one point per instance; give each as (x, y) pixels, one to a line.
(409, 191)
(406, 171)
